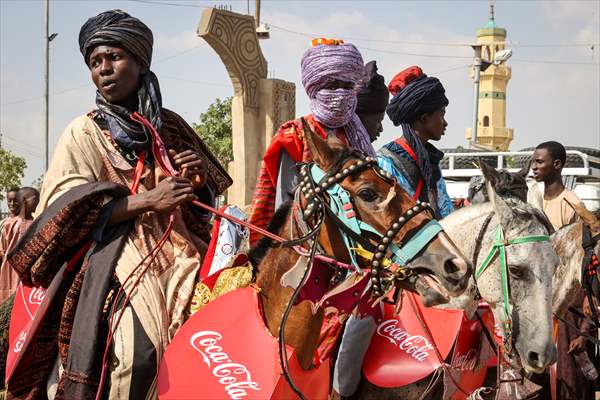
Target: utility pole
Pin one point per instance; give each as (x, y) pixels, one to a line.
(257, 18)
(46, 79)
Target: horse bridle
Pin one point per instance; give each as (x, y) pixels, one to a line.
(499, 248)
(315, 184)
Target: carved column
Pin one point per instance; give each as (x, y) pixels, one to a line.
(259, 105)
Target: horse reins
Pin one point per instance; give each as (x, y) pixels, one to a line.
(314, 185)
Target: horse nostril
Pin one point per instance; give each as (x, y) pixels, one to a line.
(450, 267)
(534, 358)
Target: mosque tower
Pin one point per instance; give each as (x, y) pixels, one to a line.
(492, 132)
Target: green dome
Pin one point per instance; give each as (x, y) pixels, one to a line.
(491, 29)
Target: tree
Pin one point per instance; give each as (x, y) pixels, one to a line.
(215, 130)
(12, 169)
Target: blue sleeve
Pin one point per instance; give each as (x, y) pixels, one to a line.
(444, 201)
(387, 165)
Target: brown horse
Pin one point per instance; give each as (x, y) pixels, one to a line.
(377, 201)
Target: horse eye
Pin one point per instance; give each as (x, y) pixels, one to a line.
(516, 272)
(368, 195)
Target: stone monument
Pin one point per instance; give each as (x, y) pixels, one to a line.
(259, 105)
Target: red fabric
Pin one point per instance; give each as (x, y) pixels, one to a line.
(402, 142)
(290, 138)
(403, 78)
(210, 253)
(330, 331)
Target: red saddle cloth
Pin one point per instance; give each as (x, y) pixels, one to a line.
(225, 351)
(401, 351)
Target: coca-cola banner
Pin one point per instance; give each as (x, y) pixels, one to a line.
(225, 351)
(401, 351)
(29, 309)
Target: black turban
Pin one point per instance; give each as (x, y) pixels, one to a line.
(415, 94)
(372, 93)
(117, 28)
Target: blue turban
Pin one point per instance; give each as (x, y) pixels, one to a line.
(414, 94)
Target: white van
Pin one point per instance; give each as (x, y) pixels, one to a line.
(580, 175)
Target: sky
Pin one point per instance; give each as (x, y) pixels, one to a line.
(554, 93)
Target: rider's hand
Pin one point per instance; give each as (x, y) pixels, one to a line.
(169, 193)
(576, 345)
(191, 166)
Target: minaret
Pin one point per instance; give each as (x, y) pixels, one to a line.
(492, 132)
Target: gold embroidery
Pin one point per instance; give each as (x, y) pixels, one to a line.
(202, 296)
(233, 278)
(229, 280)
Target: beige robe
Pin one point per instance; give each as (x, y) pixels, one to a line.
(87, 154)
(558, 211)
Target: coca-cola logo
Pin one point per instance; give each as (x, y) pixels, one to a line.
(20, 342)
(465, 362)
(36, 296)
(415, 346)
(235, 377)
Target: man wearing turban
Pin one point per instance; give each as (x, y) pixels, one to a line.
(331, 70)
(372, 100)
(418, 105)
(115, 209)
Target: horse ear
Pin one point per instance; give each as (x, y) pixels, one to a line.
(588, 217)
(323, 154)
(501, 208)
(525, 170)
(490, 173)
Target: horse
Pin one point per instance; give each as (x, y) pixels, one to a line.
(568, 243)
(530, 266)
(377, 200)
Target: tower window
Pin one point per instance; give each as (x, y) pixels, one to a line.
(486, 121)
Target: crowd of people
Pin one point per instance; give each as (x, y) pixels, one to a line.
(21, 202)
(121, 181)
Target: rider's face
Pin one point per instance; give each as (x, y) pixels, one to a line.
(372, 123)
(433, 125)
(544, 166)
(116, 73)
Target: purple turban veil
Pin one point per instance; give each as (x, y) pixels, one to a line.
(323, 64)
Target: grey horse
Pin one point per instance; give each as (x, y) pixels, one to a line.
(530, 266)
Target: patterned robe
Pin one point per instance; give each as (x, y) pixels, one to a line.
(86, 154)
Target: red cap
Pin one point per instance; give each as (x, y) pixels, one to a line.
(403, 78)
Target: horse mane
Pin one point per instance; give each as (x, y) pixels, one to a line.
(525, 210)
(258, 252)
(508, 185)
